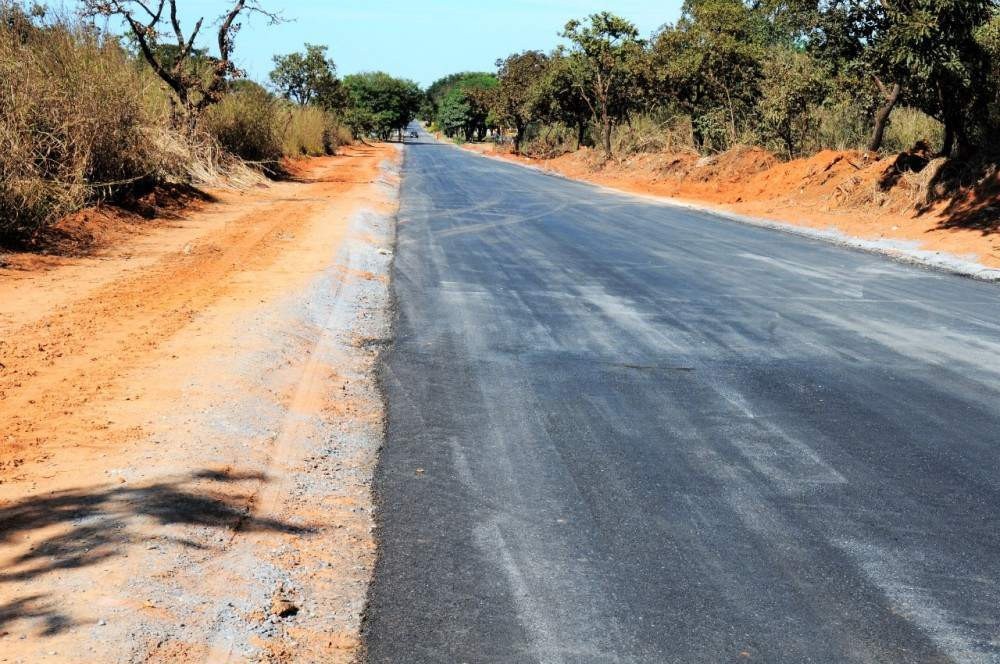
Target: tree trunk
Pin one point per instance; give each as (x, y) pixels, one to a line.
(581, 129)
(949, 138)
(882, 117)
(518, 137)
(606, 135)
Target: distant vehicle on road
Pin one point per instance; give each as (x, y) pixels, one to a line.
(414, 134)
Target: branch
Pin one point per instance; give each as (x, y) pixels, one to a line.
(141, 33)
(190, 44)
(177, 27)
(225, 41)
(881, 87)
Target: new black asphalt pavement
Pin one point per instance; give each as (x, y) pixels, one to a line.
(624, 432)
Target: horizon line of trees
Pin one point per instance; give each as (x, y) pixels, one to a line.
(792, 75)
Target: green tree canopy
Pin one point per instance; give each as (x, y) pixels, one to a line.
(517, 95)
(461, 103)
(380, 103)
(608, 60)
(308, 78)
(711, 64)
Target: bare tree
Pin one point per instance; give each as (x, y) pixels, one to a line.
(151, 21)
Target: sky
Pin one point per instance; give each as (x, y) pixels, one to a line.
(421, 40)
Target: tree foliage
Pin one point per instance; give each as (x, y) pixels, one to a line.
(518, 93)
(606, 63)
(380, 104)
(791, 75)
(309, 78)
(461, 104)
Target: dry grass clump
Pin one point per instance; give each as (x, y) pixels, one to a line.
(909, 127)
(244, 123)
(82, 120)
(75, 121)
(645, 134)
(260, 128)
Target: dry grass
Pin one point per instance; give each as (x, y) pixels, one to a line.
(908, 127)
(259, 128)
(645, 134)
(75, 120)
(81, 120)
(244, 123)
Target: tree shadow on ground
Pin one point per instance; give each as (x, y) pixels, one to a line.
(34, 607)
(976, 209)
(969, 189)
(86, 526)
(94, 524)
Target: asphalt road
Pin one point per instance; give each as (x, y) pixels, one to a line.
(623, 432)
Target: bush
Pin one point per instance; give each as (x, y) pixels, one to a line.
(254, 125)
(646, 134)
(793, 87)
(244, 122)
(303, 130)
(844, 125)
(908, 126)
(77, 119)
(546, 141)
(336, 135)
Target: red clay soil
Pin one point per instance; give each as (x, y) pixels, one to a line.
(859, 196)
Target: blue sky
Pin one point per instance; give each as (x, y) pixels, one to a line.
(422, 40)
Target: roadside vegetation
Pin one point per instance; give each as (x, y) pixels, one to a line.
(791, 78)
(88, 115)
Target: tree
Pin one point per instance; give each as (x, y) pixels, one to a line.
(453, 112)
(461, 103)
(921, 52)
(309, 78)
(792, 87)
(380, 103)
(517, 92)
(193, 91)
(559, 98)
(988, 38)
(711, 62)
(947, 71)
(607, 57)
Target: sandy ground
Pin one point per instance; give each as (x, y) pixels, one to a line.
(830, 191)
(188, 427)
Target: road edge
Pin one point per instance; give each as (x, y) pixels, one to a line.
(934, 260)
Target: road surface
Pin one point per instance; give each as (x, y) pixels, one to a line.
(624, 432)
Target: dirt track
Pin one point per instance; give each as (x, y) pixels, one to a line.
(189, 425)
